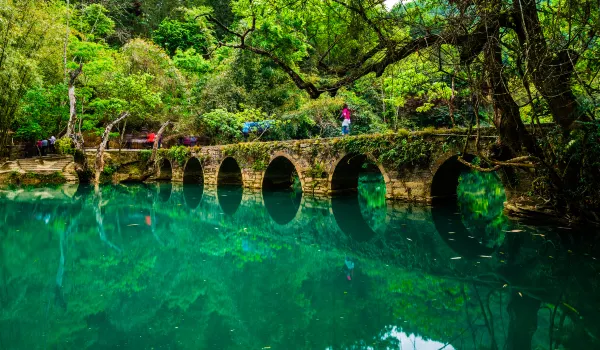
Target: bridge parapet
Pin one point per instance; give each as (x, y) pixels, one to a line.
(418, 166)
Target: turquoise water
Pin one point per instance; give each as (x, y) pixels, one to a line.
(186, 267)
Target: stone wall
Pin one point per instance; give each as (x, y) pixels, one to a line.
(316, 161)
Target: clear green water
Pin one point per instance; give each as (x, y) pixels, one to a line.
(174, 267)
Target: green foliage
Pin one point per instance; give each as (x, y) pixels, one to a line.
(397, 150)
(179, 154)
(253, 154)
(65, 145)
(174, 35)
(109, 169)
(317, 171)
(221, 126)
(92, 22)
(145, 155)
(582, 180)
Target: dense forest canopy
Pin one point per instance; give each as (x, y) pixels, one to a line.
(208, 66)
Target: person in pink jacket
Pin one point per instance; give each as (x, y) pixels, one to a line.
(346, 120)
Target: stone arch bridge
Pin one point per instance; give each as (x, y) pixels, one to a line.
(417, 166)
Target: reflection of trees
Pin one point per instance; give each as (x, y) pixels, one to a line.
(278, 286)
(481, 200)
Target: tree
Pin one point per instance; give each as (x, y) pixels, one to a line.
(365, 38)
(29, 52)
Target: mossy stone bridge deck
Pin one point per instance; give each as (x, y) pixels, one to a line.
(417, 166)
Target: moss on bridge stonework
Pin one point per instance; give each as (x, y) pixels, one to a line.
(407, 160)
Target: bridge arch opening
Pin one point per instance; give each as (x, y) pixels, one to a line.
(193, 172)
(359, 207)
(282, 190)
(165, 172)
(468, 208)
(281, 174)
(229, 186)
(230, 173)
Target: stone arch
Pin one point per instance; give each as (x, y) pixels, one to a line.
(193, 172)
(165, 171)
(229, 173)
(343, 179)
(281, 167)
(280, 200)
(446, 173)
(229, 185)
(343, 174)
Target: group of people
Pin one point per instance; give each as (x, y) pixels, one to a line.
(46, 146)
(188, 141)
(148, 143)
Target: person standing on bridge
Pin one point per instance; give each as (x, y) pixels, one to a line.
(150, 139)
(44, 147)
(52, 144)
(346, 120)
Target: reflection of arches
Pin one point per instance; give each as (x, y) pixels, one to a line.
(282, 205)
(192, 193)
(446, 212)
(347, 210)
(165, 172)
(164, 191)
(279, 174)
(281, 201)
(348, 216)
(230, 173)
(344, 177)
(229, 197)
(449, 225)
(193, 173)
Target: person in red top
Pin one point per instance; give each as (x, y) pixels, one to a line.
(346, 120)
(150, 140)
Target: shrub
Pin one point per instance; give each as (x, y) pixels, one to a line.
(179, 154)
(65, 146)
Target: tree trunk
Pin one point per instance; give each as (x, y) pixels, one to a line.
(156, 138)
(67, 33)
(551, 71)
(72, 102)
(507, 117)
(100, 220)
(99, 166)
(451, 105)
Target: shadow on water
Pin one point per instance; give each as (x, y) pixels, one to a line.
(192, 193)
(230, 198)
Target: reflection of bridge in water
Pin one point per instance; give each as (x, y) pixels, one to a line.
(516, 276)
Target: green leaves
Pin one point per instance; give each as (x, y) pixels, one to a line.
(175, 35)
(93, 23)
